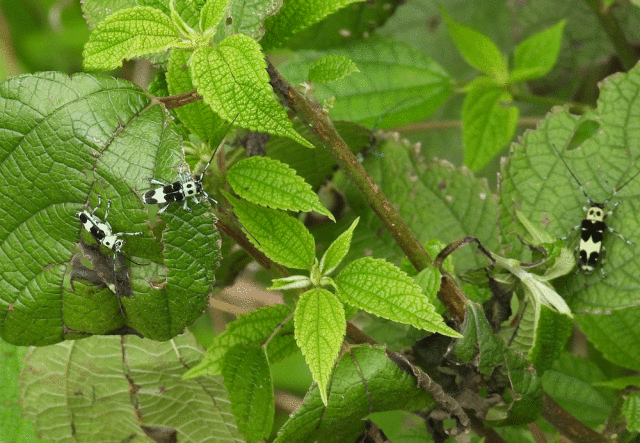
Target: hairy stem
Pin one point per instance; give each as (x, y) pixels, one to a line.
(313, 116)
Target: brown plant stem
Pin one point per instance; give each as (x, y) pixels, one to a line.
(314, 117)
(567, 424)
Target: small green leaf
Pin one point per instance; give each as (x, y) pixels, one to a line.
(284, 239)
(252, 328)
(337, 251)
(296, 15)
(429, 280)
(566, 259)
(477, 49)
(330, 68)
(212, 13)
(126, 34)
(320, 326)
(291, 282)
(247, 378)
(233, 80)
(271, 183)
(631, 411)
(382, 289)
(489, 123)
(535, 56)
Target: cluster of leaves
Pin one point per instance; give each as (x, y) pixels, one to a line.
(70, 140)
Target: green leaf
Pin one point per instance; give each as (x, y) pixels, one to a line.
(570, 383)
(349, 24)
(621, 382)
(127, 385)
(382, 289)
(296, 15)
(252, 328)
(212, 13)
(126, 34)
(535, 176)
(336, 252)
(14, 427)
(396, 85)
(615, 335)
(543, 338)
(247, 377)
(364, 381)
(291, 282)
(282, 238)
(436, 199)
(477, 49)
(96, 11)
(330, 68)
(233, 80)
(535, 56)
(197, 116)
(67, 286)
(631, 411)
(248, 17)
(489, 123)
(320, 326)
(268, 182)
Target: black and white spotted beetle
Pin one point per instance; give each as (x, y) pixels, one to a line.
(186, 186)
(101, 230)
(592, 228)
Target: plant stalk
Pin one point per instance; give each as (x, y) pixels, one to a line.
(313, 116)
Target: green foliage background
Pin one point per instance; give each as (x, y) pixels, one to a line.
(413, 71)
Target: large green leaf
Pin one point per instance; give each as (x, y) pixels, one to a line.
(296, 15)
(539, 184)
(349, 24)
(570, 383)
(364, 381)
(12, 426)
(436, 199)
(247, 377)
(123, 388)
(396, 84)
(62, 141)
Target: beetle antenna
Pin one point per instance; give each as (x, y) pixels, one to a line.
(574, 176)
(218, 146)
